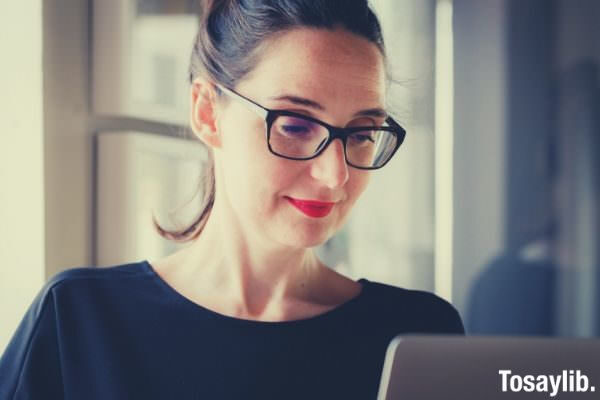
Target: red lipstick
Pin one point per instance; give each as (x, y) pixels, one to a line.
(312, 208)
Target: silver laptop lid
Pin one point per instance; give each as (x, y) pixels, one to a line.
(488, 367)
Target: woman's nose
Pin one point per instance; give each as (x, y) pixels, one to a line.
(330, 166)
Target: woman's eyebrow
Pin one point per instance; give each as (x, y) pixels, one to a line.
(372, 112)
(302, 101)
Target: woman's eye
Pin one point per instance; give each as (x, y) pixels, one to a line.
(294, 129)
(361, 138)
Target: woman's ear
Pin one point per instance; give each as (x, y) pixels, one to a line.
(203, 116)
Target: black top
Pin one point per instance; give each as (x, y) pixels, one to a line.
(123, 333)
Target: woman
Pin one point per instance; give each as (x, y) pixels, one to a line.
(288, 97)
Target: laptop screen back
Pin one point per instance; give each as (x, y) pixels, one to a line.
(487, 367)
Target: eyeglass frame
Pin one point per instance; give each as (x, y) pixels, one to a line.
(334, 132)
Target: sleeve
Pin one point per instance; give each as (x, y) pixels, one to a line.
(437, 315)
(452, 322)
(30, 365)
(446, 319)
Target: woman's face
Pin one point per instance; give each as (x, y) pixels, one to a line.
(342, 73)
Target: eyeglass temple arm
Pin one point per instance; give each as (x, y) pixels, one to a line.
(254, 106)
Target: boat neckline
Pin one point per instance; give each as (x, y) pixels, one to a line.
(331, 313)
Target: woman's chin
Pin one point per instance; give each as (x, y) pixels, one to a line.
(307, 236)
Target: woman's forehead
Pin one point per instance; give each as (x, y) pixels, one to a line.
(319, 62)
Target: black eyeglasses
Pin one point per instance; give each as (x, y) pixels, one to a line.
(296, 136)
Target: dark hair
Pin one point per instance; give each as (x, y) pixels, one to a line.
(228, 43)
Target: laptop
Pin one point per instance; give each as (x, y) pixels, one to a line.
(491, 368)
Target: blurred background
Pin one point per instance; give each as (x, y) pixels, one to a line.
(491, 202)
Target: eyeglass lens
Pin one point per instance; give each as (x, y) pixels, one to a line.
(296, 137)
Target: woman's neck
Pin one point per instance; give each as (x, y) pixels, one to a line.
(259, 278)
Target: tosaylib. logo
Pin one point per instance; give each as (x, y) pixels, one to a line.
(568, 381)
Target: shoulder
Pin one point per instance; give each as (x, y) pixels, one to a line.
(92, 284)
(32, 360)
(93, 274)
(79, 291)
(423, 310)
(78, 278)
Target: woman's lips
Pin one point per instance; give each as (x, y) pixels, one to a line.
(312, 208)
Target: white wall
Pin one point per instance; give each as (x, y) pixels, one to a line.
(68, 144)
(391, 233)
(46, 174)
(21, 161)
(479, 145)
